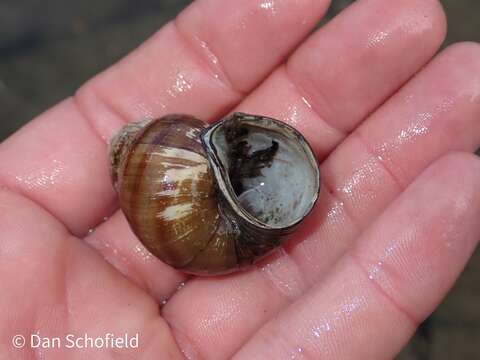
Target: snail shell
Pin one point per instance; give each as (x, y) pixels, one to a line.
(211, 200)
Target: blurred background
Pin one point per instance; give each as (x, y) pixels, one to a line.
(49, 48)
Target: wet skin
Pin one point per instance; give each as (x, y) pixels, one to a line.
(392, 124)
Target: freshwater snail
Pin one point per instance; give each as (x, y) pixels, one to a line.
(213, 199)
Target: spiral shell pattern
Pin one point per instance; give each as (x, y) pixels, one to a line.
(167, 192)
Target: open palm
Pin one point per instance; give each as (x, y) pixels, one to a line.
(394, 226)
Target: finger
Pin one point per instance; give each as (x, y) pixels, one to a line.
(285, 274)
(54, 285)
(435, 113)
(116, 242)
(190, 65)
(349, 67)
(403, 266)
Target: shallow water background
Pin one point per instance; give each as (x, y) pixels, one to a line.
(48, 48)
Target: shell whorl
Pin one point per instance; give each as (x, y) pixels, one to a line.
(195, 195)
(167, 191)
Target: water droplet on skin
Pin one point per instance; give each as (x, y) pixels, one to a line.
(163, 302)
(181, 285)
(43, 178)
(372, 273)
(349, 307)
(317, 331)
(416, 129)
(292, 115)
(420, 124)
(306, 102)
(217, 71)
(269, 5)
(210, 54)
(105, 218)
(366, 170)
(335, 210)
(181, 85)
(142, 252)
(297, 353)
(377, 39)
(391, 251)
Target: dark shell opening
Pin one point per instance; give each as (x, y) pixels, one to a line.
(265, 167)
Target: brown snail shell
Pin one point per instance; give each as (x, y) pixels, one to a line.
(211, 200)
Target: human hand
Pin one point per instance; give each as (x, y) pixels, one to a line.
(393, 228)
